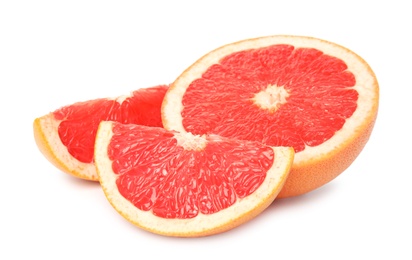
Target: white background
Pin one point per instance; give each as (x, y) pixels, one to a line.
(54, 53)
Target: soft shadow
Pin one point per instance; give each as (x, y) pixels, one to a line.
(84, 184)
(301, 200)
(279, 204)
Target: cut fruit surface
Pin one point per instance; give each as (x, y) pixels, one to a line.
(66, 136)
(314, 95)
(179, 184)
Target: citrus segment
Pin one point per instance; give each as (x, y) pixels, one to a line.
(179, 184)
(66, 136)
(316, 96)
(309, 108)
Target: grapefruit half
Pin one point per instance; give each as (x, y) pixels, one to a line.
(66, 136)
(313, 95)
(179, 184)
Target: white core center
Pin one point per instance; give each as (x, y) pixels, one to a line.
(122, 98)
(191, 142)
(271, 98)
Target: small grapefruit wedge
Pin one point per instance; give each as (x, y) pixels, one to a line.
(179, 184)
(307, 93)
(66, 136)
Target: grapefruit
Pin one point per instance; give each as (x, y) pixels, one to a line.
(180, 184)
(313, 95)
(66, 136)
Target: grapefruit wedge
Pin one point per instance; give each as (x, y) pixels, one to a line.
(313, 95)
(66, 136)
(179, 184)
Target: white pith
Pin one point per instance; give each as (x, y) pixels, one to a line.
(191, 142)
(276, 177)
(120, 99)
(365, 86)
(271, 98)
(49, 126)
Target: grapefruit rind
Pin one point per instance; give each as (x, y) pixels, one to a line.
(47, 138)
(46, 135)
(315, 166)
(202, 225)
